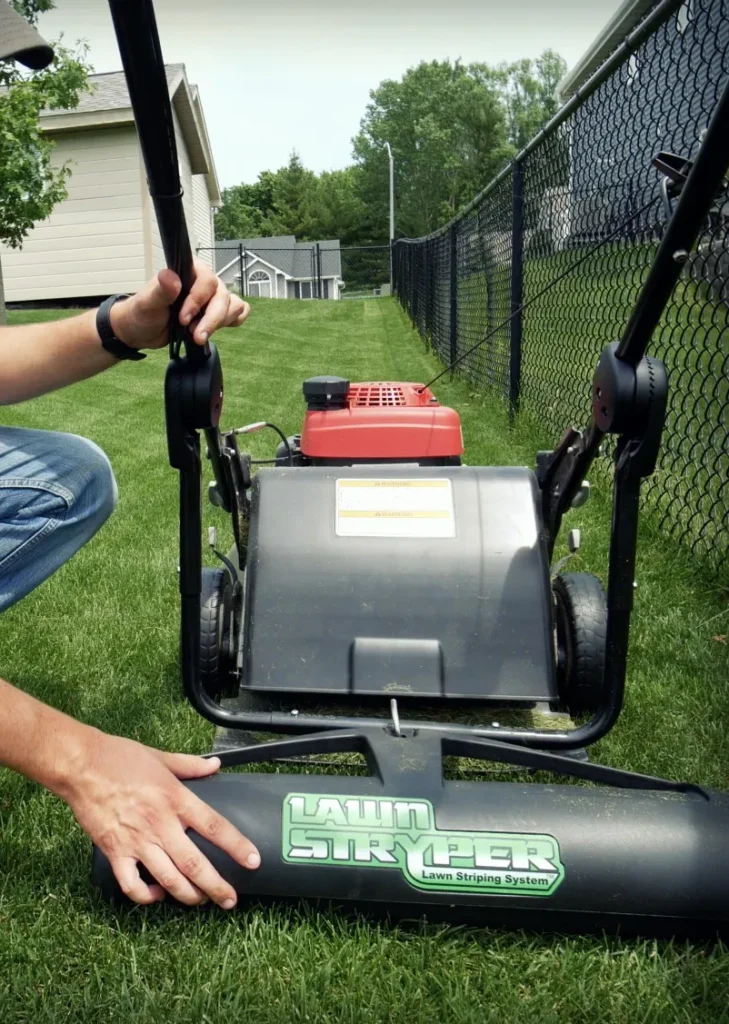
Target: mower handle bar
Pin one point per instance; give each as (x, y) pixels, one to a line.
(144, 70)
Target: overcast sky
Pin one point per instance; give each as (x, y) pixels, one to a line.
(278, 75)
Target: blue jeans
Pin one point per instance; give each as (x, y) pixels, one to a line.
(56, 490)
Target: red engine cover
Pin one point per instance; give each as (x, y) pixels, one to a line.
(384, 420)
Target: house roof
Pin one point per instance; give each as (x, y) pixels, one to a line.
(295, 259)
(226, 252)
(107, 102)
(622, 23)
(109, 91)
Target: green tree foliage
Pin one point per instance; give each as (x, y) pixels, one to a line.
(30, 185)
(446, 124)
(529, 91)
(294, 193)
(295, 201)
(451, 127)
(341, 210)
(281, 202)
(240, 215)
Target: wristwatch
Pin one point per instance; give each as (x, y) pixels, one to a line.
(113, 345)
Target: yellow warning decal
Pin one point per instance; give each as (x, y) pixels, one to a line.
(404, 508)
(394, 483)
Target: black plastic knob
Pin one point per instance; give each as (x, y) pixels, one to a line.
(326, 392)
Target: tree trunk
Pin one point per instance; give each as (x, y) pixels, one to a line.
(3, 311)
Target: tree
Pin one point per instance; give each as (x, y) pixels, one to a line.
(240, 215)
(295, 201)
(30, 185)
(447, 127)
(294, 195)
(282, 202)
(341, 211)
(452, 127)
(529, 90)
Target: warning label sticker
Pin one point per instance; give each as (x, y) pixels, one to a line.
(395, 508)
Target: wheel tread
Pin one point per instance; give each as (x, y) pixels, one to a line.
(213, 583)
(584, 603)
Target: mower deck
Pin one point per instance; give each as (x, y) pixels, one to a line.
(425, 583)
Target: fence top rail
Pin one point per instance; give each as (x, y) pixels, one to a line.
(650, 24)
(286, 248)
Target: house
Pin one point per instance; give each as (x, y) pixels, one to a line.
(104, 238)
(279, 267)
(659, 99)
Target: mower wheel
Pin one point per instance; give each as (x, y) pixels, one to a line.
(581, 620)
(217, 633)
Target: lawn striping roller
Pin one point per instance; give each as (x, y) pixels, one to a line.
(384, 599)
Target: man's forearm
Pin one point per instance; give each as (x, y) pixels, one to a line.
(39, 741)
(37, 358)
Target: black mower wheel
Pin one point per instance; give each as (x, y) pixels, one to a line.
(217, 640)
(581, 620)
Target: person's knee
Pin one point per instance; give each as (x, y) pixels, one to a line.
(92, 482)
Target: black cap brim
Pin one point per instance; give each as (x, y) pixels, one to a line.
(20, 41)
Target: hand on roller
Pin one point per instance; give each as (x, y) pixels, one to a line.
(128, 798)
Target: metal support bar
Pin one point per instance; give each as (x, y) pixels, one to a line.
(377, 746)
(190, 571)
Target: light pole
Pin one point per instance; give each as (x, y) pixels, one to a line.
(392, 207)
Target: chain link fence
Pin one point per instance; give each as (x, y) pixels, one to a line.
(587, 180)
(260, 268)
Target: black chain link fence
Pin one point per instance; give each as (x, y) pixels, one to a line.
(260, 268)
(588, 180)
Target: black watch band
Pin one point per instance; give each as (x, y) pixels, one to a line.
(113, 345)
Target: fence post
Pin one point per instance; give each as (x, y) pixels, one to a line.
(426, 290)
(411, 284)
(318, 272)
(517, 285)
(454, 295)
(243, 256)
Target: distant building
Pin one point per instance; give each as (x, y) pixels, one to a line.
(279, 267)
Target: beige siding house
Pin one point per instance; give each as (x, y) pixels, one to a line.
(279, 267)
(104, 237)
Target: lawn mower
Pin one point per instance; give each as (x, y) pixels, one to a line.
(383, 598)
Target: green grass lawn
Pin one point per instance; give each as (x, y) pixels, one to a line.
(100, 641)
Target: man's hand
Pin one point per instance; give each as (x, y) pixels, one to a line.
(141, 321)
(127, 797)
(129, 800)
